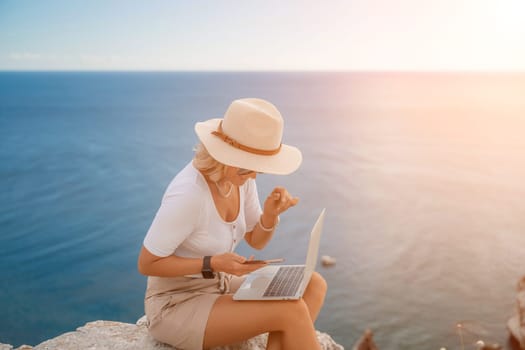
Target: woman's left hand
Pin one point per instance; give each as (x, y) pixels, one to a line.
(278, 202)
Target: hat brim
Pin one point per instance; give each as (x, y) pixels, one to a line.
(285, 162)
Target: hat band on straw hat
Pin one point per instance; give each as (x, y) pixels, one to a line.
(219, 133)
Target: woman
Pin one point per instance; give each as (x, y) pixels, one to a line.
(188, 252)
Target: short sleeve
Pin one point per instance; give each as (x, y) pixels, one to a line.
(252, 206)
(175, 220)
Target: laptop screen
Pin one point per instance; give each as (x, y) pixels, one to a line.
(313, 246)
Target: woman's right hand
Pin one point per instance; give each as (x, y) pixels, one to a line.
(233, 264)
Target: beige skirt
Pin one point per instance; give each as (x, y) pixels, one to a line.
(178, 308)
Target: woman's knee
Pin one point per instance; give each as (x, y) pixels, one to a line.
(318, 285)
(290, 311)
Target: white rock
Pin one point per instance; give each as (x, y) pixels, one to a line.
(327, 260)
(10, 347)
(102, 335)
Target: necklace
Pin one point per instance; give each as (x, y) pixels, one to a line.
(225, 195)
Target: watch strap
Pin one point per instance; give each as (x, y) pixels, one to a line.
(207, 271)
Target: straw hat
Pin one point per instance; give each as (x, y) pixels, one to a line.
(249, 136)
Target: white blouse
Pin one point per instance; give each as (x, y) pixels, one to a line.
(187, 223)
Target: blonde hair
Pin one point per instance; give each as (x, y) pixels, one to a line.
(209, 166)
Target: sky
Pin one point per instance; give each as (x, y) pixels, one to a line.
(333, 35)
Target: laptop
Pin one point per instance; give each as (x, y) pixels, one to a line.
(283, 282)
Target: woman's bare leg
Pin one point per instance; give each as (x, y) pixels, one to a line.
(313, 297)
(234, 321)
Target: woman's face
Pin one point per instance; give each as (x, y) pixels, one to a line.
(238, 176)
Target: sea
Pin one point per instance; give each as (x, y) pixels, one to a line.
(422, 175)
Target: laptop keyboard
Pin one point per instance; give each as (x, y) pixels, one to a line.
(285, 282)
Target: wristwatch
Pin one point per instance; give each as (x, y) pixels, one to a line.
(207, 271)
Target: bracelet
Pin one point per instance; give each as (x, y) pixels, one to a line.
(270, 229)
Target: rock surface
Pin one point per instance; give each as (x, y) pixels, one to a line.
(516, 324)
(366, 342)
(102, 335)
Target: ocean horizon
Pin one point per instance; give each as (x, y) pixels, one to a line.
(421, 175)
